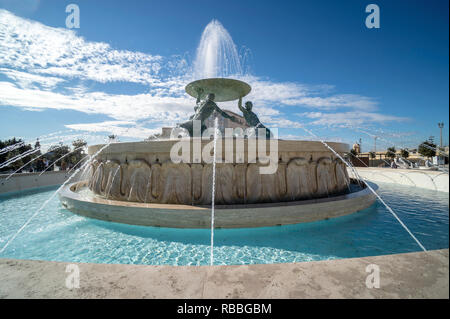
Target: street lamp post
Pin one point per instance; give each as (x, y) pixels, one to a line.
(375, 144)
(441, 126)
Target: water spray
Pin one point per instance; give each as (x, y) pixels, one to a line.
(49, 199)
(18, 157)
(78, 148)
(369, 187)
(216, 128)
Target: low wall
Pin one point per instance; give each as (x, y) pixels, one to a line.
(434, 180)
(411, 275)
(145, 172)
(226, 216)
(23, 181)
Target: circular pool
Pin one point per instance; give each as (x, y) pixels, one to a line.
(57, 234)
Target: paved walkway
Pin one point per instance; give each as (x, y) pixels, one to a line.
(412, 275)
(433, 180)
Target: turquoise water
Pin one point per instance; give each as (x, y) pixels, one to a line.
(57, 234)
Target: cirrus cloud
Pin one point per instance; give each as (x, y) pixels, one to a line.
(52, 68)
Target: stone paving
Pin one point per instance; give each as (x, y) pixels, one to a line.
(411, 275)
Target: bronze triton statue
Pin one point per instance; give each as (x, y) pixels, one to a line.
(251, 118)
(203, 110)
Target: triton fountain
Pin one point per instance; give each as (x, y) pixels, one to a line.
(240, 180)
(141, 183)
(259, 179)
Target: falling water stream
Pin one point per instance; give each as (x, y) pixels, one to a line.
(12, 147)
(83, 158)
(65, 155)
(368, 186)
(26, 153)
(358, 159)
(108, 191)
(18, 157)
(216, 128)
(29, 162)
(51, 197)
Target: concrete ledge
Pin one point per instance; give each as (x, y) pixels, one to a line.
(24, 181)
(226, 216)
(162, 147)
(411, 275)
(434, 180)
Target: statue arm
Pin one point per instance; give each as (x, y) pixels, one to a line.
(240, 105)
(199, 93)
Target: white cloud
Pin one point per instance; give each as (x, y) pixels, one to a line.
(37, 48)
(353, 118)
(119, 107)
(28, 80)
(336, 101)
(296, 137)
(38, 59)
(119, 128)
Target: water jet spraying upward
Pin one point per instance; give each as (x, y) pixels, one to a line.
(217, 55)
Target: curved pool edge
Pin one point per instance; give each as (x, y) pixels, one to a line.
(340, 278)
(431, 180)
(226, 216)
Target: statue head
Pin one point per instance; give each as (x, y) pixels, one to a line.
(248, 105)
(211, 97)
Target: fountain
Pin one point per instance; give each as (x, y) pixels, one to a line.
(239, 180)
(217, 55)
(259, 180)
(142, 183)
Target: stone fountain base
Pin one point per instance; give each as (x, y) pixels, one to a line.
(139, 184)
(226, 216)
(144, 172)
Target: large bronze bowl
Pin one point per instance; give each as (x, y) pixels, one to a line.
(223, 89)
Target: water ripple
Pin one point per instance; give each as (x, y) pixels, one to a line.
(57, 234)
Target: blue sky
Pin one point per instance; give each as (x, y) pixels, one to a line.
(311, 63)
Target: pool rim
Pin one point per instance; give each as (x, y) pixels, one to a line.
(226, 216)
